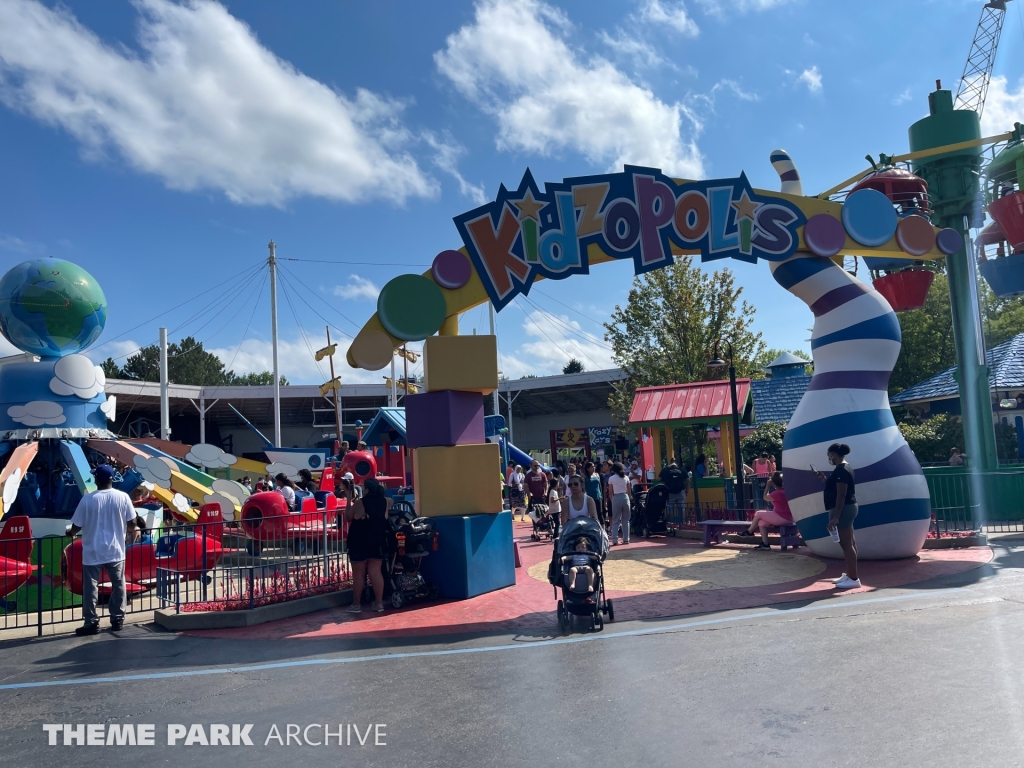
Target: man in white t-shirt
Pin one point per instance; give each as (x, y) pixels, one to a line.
(105, 517)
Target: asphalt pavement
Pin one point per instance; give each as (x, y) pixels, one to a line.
(929, 674)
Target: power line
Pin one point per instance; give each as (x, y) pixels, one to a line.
(255, 306)
(329, 306)
(178, 305)
(299, 295)
(558, 321)
(556, 346)
(287, 291)
(356, 263)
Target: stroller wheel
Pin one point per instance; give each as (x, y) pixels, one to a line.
(397, 599)
(432, 593)
(593, 622)
(562, 622)
(598, 622)
(534, 537)
(611, 610)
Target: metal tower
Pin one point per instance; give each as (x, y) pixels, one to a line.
(974, 82)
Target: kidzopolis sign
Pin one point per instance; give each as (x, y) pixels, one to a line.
(638, 214)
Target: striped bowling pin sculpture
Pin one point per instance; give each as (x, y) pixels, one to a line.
(854, 346)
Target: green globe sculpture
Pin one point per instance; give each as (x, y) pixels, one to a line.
(51, 308)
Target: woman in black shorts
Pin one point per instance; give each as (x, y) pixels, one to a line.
(367, 531)
(841, 508)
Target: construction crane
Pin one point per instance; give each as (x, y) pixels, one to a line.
(978, 70)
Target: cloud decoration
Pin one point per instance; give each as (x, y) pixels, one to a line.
(227, 504)
(76, 375)
(155, 469)
(109, 408)
(206, 455)
(37, 413)
(11, 487)
(180, 502)
(277, 467)
(230, 488)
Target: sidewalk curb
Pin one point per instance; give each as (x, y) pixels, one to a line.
(180, 622)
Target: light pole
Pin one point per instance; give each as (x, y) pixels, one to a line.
(717, 363)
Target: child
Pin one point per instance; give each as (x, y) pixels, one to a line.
(580, 563)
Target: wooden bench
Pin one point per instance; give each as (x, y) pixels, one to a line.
(789, 535)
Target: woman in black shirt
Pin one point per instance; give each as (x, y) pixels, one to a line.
(841, 506)
(367, 542)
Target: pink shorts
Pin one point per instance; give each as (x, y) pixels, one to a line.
(771, 517)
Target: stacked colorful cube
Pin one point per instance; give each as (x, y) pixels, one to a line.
(456, 472)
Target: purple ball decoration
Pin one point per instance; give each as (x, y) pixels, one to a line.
(824, 235)
(451, 269)
(949, 241)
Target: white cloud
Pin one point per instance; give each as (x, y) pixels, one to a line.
(446, 156)
(205, 106)
(37, 413)
(17, 245)
(204, 454)
(1003, 107)
(296, 361)
(357, 288)
(11, 486)
(642, 53)
(155, 469)
(549, 345)
(812, 79)
(726, 8)
(181, 503)
(670, 13)
(76, 375)
(514, 63)
(903, 98)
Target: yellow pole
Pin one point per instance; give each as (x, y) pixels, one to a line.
(656, 443)
(725, 459)
(450, 326)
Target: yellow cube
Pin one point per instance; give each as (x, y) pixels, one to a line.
(457, 480)
(465, 363)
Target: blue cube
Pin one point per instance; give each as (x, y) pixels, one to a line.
(474, 555)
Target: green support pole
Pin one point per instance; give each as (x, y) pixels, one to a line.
(954, 190)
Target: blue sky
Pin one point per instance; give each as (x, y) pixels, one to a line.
(162, 145)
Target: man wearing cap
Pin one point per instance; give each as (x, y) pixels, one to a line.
(105, 517)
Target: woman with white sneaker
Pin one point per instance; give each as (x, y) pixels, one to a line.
(841, 506)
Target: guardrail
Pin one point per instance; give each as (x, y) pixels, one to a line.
(203, 566)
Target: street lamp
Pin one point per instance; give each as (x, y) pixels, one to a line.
(717, 363)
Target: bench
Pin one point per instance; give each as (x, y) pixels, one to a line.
(789, 535)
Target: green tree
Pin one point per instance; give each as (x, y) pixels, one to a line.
(573, 366)
(766, 438)
(927, 339)
(144, 365)
(666, 332)
(111, 369)
(187, 363)
(265, 378)
(933, 438)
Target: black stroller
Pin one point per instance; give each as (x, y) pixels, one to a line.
(578, 603)
(410, 539)
(649, 512)
(545, 522)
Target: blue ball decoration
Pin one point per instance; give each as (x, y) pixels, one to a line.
(869, 217)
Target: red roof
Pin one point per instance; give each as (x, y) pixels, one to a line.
(701, 400)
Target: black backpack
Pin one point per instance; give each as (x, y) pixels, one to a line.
(675, 480)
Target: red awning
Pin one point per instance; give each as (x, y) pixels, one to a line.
(708, 401)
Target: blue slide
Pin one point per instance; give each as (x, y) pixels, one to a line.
(79, 466)
(514, 454)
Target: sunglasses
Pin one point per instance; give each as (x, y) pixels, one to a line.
(575, 485)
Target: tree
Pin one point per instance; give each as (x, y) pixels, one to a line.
(573, 366)
(111, 369)
(933, 438)
(187, 363)
(766, 438)
(666, 332)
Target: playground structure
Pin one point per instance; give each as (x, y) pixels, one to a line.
(888, 217)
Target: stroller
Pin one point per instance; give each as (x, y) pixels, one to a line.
(410, 539)
(545, 522)
(577, 603)
(649, 512)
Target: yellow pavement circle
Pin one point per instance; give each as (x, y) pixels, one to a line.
(662, 569)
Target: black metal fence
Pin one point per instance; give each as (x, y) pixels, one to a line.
(208, 566)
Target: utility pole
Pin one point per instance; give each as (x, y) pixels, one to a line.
(337, 392)
(272, 263)
(165, 411)
(490, 313)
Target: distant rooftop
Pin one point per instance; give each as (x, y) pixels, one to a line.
(1006, 371)
(786, 359)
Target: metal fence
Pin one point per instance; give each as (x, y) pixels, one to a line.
(956, 496)
(208, 566)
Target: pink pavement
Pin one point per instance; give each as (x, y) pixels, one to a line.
(530, 604)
